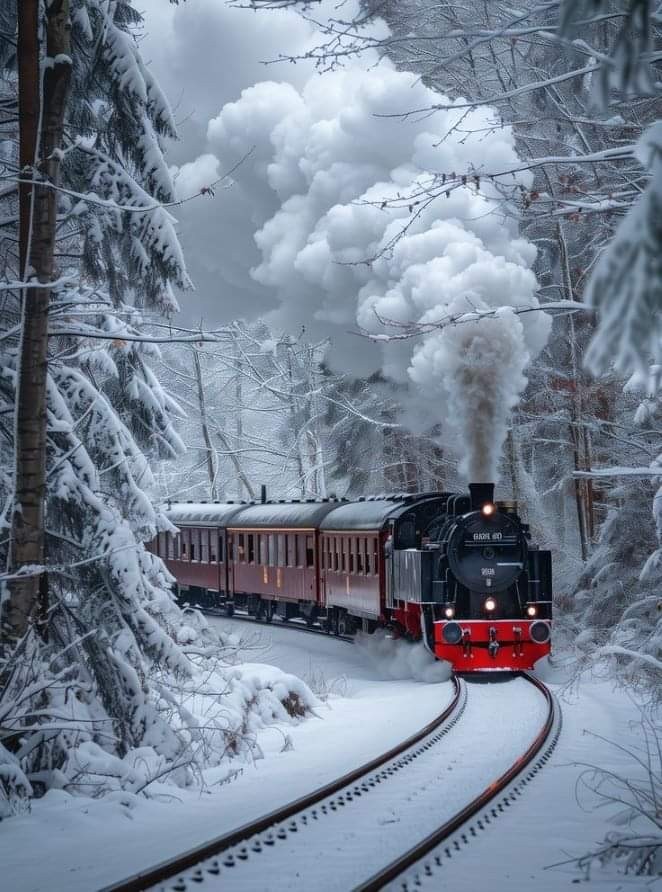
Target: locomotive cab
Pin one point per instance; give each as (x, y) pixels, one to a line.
(484, 589)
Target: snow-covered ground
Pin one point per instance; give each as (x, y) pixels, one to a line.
(557, 819)
(85, 844)
(387, 819)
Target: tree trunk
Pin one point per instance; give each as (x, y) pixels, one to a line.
(28, 118)
(576, 405)
(211, 454)
(27, 535)
(241, 476)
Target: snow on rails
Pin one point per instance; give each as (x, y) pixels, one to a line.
(397, 818)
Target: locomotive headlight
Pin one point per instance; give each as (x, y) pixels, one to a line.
(531, 610)
(449, 612)
(490, 604)
(488, 509)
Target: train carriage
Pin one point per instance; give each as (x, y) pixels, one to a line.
(197, 555)
(275, 550)
(455, 569)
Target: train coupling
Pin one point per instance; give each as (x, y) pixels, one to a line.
(493, 645)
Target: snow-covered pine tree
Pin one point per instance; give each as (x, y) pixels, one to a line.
(103, 684)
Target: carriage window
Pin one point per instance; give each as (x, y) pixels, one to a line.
(204, 546)
(221, 549)
(241, 554)
(161, 545)
(280, 546)
(299, 549)
(310, 552)
(195, 545)
(360, 556)
(375, 564)
(262, 541)
(251, 548)
(185, 539)
(213, 542)
(170, 544)
(290, 550)
(334, 546)
(272, 549)
(353, 553)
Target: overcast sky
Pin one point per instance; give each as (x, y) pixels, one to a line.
(204, 55)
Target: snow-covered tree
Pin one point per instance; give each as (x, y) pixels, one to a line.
(93, 661)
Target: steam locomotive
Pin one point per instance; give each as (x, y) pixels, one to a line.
(457, 570)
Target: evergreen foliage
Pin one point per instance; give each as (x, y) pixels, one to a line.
(115, 660)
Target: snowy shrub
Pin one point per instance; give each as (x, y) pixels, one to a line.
(636, 796)
(615, 609)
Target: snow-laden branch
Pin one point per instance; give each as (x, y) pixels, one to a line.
(34, 283)
(618, 472)
(618, 651)
(416, 329)
(96, 335)
(94, 199)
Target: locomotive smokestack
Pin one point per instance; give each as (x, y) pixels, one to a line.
(481, 494)
(263, 493)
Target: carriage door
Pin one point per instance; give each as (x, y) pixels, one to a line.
(323, 563)
(229, 561)
(389, 582)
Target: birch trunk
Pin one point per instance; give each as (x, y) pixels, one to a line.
(212, 470)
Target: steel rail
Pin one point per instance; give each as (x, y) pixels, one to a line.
(169, 869)
(443, 833)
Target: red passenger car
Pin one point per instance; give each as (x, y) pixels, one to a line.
(457, 570)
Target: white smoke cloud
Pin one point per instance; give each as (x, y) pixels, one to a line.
(321, 154)
(331, 161)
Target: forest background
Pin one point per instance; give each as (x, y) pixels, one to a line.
(110, 405)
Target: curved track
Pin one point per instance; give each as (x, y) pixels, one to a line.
(171, 872)
(405, 803)
(419, 866)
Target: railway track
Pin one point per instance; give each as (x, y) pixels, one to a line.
(206, 859)
(395, 821)
(419, 867)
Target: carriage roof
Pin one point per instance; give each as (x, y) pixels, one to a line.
(325, 514)
(203, 513)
